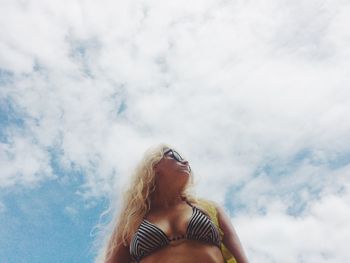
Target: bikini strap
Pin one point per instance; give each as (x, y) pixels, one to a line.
(188, 203)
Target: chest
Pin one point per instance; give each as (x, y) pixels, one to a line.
(172, 222)
(171, 228)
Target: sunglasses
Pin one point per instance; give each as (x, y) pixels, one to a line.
(175, 155)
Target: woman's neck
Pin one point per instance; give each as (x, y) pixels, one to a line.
(165, 200)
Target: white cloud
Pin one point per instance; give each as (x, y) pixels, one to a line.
(23, 163)
(319, 236)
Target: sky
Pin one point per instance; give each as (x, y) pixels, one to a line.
(255, 94)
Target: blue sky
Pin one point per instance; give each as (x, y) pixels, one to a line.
(49, 222)
(37, 226)
(254, 95)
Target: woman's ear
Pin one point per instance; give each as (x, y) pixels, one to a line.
(155, 167)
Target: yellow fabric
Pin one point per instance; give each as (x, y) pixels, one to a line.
(210, 208)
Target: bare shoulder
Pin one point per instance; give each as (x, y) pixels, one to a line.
(223, 218)
(220, 209)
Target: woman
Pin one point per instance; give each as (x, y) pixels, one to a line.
(160, 221)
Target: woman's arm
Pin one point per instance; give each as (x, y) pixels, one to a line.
(230, 238)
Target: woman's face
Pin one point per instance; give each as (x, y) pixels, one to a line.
(172, 170)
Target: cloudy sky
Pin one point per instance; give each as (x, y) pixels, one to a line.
(255, 94)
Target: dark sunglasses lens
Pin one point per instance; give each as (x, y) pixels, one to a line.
(177, 156)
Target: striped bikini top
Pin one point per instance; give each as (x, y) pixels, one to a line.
(149, 238)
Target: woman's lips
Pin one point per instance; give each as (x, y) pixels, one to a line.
(186, 168)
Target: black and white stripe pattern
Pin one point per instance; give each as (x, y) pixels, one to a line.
(149, 237)
(202, 229)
